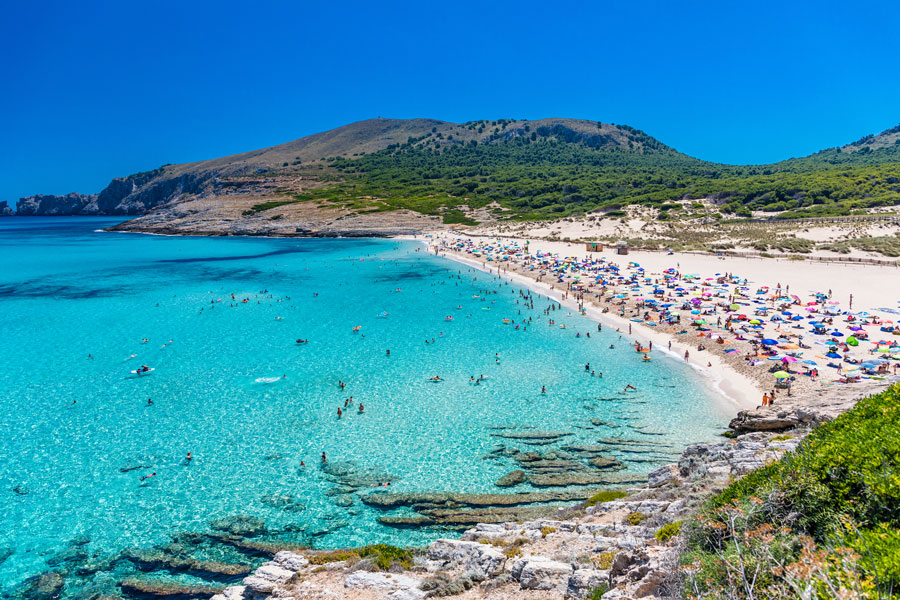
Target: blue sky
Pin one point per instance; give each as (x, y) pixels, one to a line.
(93, 90)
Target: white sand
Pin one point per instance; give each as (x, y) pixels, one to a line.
(740, 384)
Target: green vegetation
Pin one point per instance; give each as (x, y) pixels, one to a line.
(597, 592)
(382, 555)
(636, 518)
(605, 496)
(823, 522)
(668, 531)
(889, 245)
(557, 171)
(604, 560)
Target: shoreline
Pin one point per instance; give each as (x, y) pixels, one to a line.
(739, 391)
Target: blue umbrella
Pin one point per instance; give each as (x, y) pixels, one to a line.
(770, 342)
(833, 354)
(809, 362)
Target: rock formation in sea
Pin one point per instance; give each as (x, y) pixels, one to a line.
(5, 209)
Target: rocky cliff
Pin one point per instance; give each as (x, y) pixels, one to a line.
(50, 205)
(5, 209)
(132, 195)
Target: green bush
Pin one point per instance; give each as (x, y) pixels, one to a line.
(636, 518)
(605, 496)
(668, 531)
(836, 497)
(384, 556)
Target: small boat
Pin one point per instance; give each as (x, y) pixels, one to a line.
(267, 379)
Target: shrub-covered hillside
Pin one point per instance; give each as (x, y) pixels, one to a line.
(824, 522)
(522, 171)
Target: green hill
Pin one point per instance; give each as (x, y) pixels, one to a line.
(556, 168)
(505, 169)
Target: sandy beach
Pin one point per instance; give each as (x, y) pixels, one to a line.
(738, 366)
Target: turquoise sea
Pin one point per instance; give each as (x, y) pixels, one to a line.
(231, 386)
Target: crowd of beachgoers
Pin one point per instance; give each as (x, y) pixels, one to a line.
(784, 341)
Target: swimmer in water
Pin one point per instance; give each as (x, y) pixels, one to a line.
(629, 387)
(188, 458)
(543, 389)
(360, 407)
(324, 460)
(145, 477)
(340, 412)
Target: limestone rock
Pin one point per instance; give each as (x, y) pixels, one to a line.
(380, 581)
(471, 555)
(662, 475)
(267, 578)
(583, 581)
(290, 560)
(541, 573)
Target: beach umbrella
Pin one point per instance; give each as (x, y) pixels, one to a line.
(810, 362)
(833, 354)
(787, 359)
(782, 374)
(769, 341)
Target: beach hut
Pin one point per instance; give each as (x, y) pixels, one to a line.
(621, 248)
(594, 247)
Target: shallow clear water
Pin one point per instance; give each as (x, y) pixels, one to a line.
(70, 424)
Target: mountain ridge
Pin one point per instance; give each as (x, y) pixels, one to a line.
(346, 163)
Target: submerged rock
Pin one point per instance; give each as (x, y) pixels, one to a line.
(170, 590)
(468, 518)
(344, 500)
(511, 479)
(155, 560)
(240, 525)
(350, 476)
(567, 479)
(533, 435)
(605, 462)
(253, 548)
(386, 501)
(285, 502)
(45, 586)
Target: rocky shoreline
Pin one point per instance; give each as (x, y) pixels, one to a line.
(625, 548)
